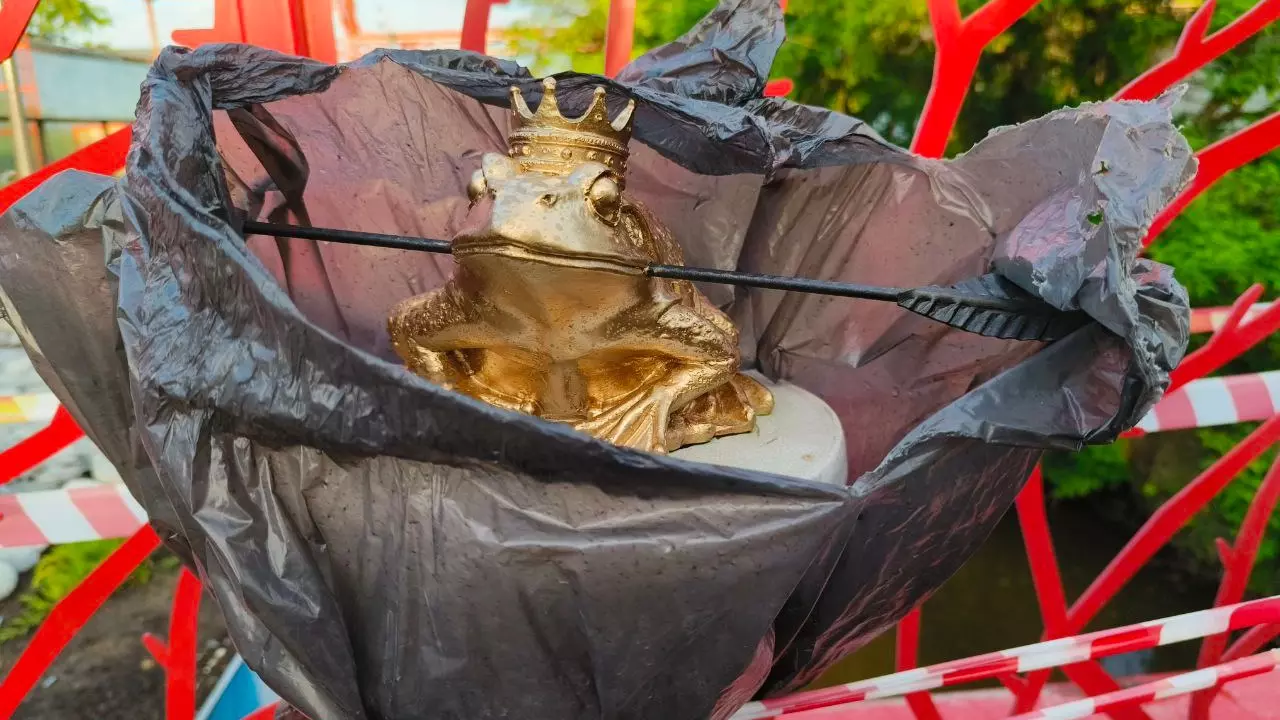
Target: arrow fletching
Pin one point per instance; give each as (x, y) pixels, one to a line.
(992, 306)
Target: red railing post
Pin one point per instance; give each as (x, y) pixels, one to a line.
(619, 36)
(299, 27)
(475, 25)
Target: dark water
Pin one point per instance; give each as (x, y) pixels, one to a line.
(990, 604)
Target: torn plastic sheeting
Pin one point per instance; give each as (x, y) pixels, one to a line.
(384, 548)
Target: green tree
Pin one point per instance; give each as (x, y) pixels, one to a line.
(57, 21)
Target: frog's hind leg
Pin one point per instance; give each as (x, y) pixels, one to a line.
(446, 339)
(730, 409)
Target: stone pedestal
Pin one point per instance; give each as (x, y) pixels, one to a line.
(802, 438)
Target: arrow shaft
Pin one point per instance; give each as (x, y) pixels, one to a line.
(774, 282)
(349, 237)
(671, 272)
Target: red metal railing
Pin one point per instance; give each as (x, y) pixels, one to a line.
(305, 27)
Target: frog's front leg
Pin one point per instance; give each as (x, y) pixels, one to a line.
(701, 359)
(462, 345)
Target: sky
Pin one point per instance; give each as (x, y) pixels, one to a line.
(128, 29)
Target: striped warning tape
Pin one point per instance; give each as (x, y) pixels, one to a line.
(1206, 320)
(51, 517)
(1040, 656)
(1183, 684)
(1216, 401)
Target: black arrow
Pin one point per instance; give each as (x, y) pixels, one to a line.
(988, 305)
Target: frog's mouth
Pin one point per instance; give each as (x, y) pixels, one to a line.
(464, 246)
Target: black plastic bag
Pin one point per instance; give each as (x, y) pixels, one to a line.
(383, 548)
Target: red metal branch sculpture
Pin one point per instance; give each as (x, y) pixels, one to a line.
(960, 43)
(178, 656)
(619, 35)
(14, 18)
(1230, 341)
(1167, 520)
(1252, 641)
(1194, 50)
(103, 157)
(959, 46)
(1237, 563)
(475, 24)
(1045, 574)
(44, 444)
(1208, 319)
(906, 649)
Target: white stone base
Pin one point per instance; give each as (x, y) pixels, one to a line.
(801, 438)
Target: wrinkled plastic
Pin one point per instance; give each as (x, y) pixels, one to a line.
(383, 548)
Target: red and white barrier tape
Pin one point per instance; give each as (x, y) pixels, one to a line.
(1161, 689)
(1207, 320)
(1216, 401)
(53, 517)
(1040, 656)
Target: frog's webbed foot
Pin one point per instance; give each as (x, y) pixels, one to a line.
(698, 356)
(638, 421)
(730, 409)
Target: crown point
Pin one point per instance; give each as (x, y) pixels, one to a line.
(518, 104)
(549, 107)
(623, 121)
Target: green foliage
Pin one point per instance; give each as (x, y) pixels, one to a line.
(1095, 469)
(57, 20)
(57, 574)
(874, 59)
(569, 34)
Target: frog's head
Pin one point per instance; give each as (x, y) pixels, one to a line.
(578, 219)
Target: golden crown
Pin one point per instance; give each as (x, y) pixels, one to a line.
(548, 142)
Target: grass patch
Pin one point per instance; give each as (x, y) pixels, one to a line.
(59, 571)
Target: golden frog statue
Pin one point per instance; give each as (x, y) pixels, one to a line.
(550, 312)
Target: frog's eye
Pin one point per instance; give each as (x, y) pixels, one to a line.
(605, 198)
(477, 188)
